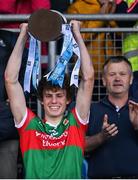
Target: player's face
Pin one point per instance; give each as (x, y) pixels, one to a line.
(55, 103)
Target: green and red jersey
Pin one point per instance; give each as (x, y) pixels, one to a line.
(52, 152)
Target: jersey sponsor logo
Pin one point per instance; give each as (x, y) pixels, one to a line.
(51, 141)
(56, 144)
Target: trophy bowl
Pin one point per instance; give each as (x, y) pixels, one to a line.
(46, 25)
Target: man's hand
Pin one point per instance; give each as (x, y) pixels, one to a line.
(107, 6)
(133, 113)
(108, 130)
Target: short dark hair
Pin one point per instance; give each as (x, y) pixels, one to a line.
(117, 59)
(44, 84)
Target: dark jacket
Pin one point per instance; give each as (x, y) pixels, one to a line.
(7, 42)
(118, 156)
(7, 127)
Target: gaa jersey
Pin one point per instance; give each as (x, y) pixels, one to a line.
(52, 152)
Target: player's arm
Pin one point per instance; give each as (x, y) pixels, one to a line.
(13, 87)
(84, 94)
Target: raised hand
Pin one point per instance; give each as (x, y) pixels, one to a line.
(75, 25)
(108, 130)
(24, 29)
(133, 113)
(107, 6)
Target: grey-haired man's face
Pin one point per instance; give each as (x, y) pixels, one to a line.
(117, 78)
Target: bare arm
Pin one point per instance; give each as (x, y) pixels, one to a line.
(84, 94)
(108, 131)
(13, 87)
